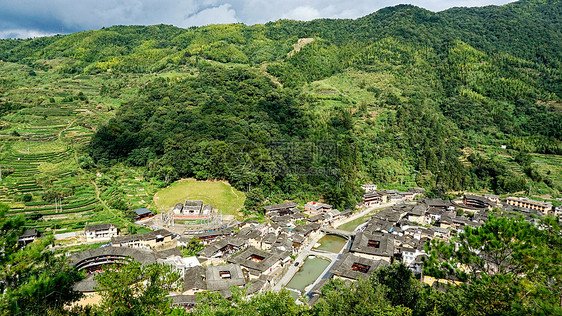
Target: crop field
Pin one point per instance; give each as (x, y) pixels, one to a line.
(219, 194)
(41, 143)
(551, 166)
(40, 146)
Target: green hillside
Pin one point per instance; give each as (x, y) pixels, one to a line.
(401, 97)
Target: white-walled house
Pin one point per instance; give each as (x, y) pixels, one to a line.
(101, 232)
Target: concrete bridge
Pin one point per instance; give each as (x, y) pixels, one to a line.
(338, 232)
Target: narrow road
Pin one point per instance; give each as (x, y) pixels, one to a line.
(292, 270)
(364, 213)
(98, 196)
(59, 135)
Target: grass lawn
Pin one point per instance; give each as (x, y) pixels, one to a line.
(220, 195)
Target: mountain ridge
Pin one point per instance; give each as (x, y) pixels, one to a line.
(402, 92)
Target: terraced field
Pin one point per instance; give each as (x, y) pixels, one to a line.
(40, 146)
(38, 166)
(550, 165)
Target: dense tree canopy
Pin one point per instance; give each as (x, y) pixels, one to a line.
(134, 289)
(247, 111)
(33, 281)
(509, 266)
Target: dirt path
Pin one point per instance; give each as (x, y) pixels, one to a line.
(66, 128)
(98, 196)
(275, 80)
(302, 42)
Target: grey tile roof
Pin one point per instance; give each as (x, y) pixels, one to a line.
(316, 218)
(193, 278)
(334, 212)
(248, 233)
(298, 215)
(192, 205)
(386, 244)
(184, 299)
(91, 257)
(437, 203)
(282, 206)
(306, 229)
(440, 230)
(377, 225)
(283, 242)
(281, 219)
(269, 258)
(216, 283)
(212, 249)
(391, 214)
(318, 205)
(269, 238)
(106, 226)
(143, 237)
(419, 209)
(297, 238)
(86, 285)
(435, 211)
(481, 199)
(343, 266)
(346, 212)
(142, 211)
(168, 253)
(256, 285)
(408, 249)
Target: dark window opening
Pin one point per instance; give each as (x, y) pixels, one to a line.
(360, 267)
(225, 275)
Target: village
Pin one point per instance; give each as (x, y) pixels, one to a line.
(298, 248)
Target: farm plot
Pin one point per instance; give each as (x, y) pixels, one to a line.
(42, 139)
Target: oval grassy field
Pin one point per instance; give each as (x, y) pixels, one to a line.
(219, 194)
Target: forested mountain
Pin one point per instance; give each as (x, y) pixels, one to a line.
(403, 96)
(92, 124)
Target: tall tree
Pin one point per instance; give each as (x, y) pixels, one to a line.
(33, 281)
(510, 264)
(363, 297)
(134, 289)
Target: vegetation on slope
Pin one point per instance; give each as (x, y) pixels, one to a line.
(425, 90)
(97, 120)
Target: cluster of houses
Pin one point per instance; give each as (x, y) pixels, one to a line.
(288, 214)
(400, 233)
(249, 254)
(255, 255)
(263, 250)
